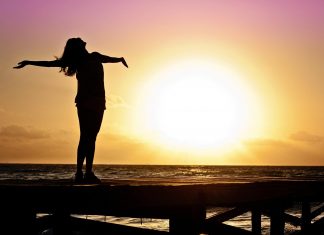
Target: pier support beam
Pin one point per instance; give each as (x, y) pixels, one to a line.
(188, 222)
(17, 220)
(62, 223)
(277, 220)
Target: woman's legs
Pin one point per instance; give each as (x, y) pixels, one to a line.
(90, 123)
(81, 153)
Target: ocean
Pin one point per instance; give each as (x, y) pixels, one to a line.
(208, 174)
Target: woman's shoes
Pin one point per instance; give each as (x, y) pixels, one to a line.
(90, 178)
(78, 178)
(87, 178)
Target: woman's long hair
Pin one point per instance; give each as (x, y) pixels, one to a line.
(73, 52)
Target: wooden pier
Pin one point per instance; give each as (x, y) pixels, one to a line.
(183, 204)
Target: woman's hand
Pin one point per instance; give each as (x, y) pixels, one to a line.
(124, 62)
(21, 64)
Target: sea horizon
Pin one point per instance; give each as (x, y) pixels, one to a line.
(189, 173)
(148, 164)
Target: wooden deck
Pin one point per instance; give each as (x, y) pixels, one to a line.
(184, 204)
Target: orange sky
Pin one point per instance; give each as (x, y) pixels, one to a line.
(274, 48)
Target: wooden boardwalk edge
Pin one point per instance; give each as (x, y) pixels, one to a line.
(183, 205)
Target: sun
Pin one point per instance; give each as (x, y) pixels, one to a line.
(196, 105)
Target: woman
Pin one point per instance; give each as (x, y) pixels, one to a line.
(90, 98)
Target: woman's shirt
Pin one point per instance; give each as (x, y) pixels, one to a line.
(91, 88)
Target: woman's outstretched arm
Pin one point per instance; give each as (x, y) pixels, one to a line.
(109, 59)
(52, 63)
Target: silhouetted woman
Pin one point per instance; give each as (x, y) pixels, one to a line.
(90, 98)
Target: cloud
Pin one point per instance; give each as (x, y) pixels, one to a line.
(269, 151)
(25, 144)
(121, 149)
(41, 151)
(30, 145)
(265, 142)
(114, 101)
(304, 136)
(110, 148)
(22, 133)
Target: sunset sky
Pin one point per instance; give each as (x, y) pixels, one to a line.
(209, 82)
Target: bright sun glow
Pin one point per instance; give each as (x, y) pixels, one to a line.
(196, 104)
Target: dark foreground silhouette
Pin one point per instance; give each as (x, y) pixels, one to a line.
(90, 98)
(298, 203)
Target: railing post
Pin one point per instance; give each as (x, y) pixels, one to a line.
(256, 220)
(306, 216)
(277, 220)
